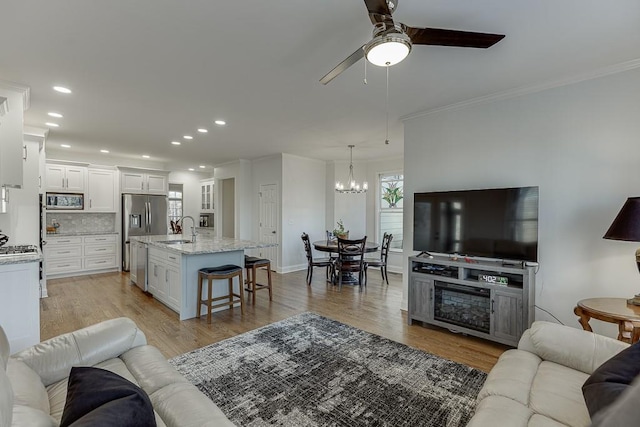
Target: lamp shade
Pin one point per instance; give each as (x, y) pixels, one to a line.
(626, 226)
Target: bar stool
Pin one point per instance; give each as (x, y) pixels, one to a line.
(228, 271)
(253, 264)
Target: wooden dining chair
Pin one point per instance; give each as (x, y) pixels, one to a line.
(382, 262)
(350, 259)
(318, 262)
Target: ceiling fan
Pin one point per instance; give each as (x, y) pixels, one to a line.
(392, 41)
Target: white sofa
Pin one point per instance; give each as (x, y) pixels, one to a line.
(540, 382)
(33, 382)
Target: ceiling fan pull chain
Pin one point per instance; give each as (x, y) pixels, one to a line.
(386, 141)
(365, 73)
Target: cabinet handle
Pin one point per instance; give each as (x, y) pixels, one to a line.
(90, 203)
(24, 150)
(63, 241)
(142, 185)
(64, 265)
(64, 252)
(101, 250)
(166, 275)
(493, 302)
(100, 262)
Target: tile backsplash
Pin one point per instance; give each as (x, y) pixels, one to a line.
(83, 222)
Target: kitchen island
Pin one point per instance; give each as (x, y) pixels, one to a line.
(173, 262)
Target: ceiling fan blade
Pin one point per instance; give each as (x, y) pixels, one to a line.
(378, 9)
(440, 37)
(352, 59)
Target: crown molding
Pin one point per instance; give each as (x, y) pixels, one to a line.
(17, 87)
(527, 90)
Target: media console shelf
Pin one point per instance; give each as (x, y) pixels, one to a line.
(487, 299)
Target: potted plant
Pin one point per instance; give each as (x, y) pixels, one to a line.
(339, 231)
(392, 194)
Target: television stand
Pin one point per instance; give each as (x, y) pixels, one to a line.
(486, 299)
(424, 254)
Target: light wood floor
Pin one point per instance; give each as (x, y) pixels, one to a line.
(77, 302)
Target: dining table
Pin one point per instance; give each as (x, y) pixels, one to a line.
(331, 246)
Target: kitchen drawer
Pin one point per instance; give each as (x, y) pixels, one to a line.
(57, 252)
(108, 238)
(58, 241)
(174, 259)
(64, 265)
(108, 249)
(98, 262)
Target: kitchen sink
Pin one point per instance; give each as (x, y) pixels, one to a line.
(174, 242)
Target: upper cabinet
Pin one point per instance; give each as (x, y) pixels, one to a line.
(206, 194)
(101, 191)
(65, 178)
(14, 99)
(143, 181)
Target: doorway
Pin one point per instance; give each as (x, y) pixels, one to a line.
(228, 204)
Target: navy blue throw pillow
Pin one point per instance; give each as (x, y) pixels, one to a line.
(100, 398)
(612, 378)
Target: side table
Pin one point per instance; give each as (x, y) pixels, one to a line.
(612, 310)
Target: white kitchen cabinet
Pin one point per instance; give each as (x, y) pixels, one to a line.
(143, 182)
(206, 196)
(101, 193)
(78, 255)
(65, 178)
(165, 277)
(12, 102)
(20, 304)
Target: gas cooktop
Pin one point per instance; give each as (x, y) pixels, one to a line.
(18, 250)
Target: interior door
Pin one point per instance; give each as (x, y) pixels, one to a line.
(269, 221)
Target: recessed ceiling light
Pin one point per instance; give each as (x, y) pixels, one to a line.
(61, 89)
(220, 122)
(104, 151)
(187, 137)
(53, 125)
(202, 130)
(191, 169)
(65, 146)
(175, 142)
(146, 156)
(56, 115)
(202, 166)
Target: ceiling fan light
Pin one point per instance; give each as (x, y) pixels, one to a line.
(387, 50)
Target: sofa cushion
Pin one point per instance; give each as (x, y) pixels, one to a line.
(556, 393)
(6, 398)
(28, 389)
(508, 411)
(611, 379)
(25, 416)
(150, 368)
(96, 397)
(512, 376)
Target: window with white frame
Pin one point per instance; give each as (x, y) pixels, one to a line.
(390, 207)
(175, 202)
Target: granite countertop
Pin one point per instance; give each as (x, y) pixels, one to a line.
(81, 233)
(21, 258)
(203, 245)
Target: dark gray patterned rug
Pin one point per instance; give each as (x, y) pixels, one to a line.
(308, 370)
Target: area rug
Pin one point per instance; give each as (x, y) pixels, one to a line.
(308, 370)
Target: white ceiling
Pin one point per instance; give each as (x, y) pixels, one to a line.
(146, 72)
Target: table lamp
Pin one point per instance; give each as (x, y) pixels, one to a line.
(626, 227)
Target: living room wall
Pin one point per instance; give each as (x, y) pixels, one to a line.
(579, 144)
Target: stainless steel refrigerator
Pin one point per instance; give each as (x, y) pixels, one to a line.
(142, 215)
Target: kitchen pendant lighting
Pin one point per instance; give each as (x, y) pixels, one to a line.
(352, 186)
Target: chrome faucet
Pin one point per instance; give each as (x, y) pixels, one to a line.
(193, 227)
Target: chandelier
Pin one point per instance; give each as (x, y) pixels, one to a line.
(352, 186)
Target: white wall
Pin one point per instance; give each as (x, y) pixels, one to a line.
(303, 207)
(374, 169)
(579, 144)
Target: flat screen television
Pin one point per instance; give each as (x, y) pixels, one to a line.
(497, 223)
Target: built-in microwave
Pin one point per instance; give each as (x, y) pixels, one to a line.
(74, 201)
